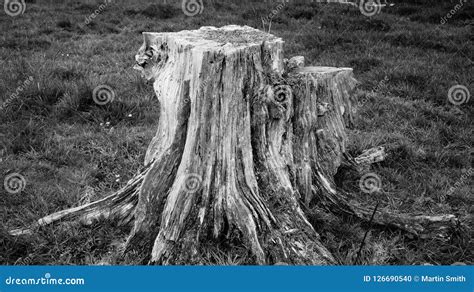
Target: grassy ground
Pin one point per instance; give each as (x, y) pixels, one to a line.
(71, 150)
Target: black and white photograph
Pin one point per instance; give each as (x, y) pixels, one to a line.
(236, 133)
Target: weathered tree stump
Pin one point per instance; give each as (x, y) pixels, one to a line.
(245, 139)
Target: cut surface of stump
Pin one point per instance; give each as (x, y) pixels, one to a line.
(245, 140)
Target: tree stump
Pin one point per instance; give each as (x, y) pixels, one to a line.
(244, 141)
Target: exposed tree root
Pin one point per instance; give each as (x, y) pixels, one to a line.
(337, 201)
(119, 206)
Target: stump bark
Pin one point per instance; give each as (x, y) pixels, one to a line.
(245, 140)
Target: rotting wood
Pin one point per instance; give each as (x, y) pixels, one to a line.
(245, 140)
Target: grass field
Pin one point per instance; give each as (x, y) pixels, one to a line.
(71, 150)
